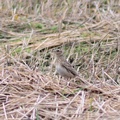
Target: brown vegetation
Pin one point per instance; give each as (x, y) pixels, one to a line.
(88, 31)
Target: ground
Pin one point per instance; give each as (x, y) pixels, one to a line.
(87, 32)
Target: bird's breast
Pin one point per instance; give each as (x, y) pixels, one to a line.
(63, 71)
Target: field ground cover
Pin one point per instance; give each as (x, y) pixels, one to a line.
(88, 32)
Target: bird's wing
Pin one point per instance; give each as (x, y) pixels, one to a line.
(69, 67)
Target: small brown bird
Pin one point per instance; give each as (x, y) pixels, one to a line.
(63, 67)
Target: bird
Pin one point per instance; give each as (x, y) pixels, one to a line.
(63, 67)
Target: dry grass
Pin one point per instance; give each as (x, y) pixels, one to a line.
(89, 34)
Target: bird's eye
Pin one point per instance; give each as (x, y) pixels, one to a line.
(57, 50)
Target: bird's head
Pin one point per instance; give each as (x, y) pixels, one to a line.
(58, 53)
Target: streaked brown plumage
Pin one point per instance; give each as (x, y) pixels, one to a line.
(63, 67)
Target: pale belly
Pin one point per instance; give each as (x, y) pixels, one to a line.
(63, 72)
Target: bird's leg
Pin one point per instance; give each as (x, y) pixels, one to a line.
(59, 78)
(68, 83)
